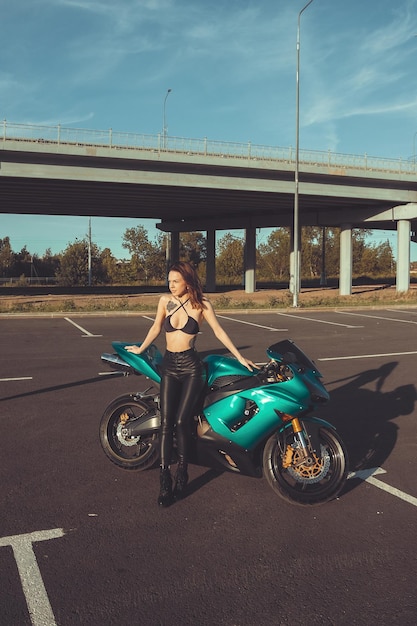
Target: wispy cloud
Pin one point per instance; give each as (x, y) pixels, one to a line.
(226, 55)
(371, 77)
(244, 39)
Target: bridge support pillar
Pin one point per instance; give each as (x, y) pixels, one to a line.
(403, 255)
(211, 261)
(250, 260)
(345, 282)
(174, 248)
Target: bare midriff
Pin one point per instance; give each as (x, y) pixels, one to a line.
(179, 341)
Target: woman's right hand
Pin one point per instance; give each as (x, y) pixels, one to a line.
(134, 349)
(250, 365)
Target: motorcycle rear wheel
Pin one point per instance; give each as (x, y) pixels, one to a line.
(301, 484)
(136, 453)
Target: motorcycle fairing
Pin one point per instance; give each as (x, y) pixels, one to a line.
(146, 363)
(213, 450)
(223, 366)
(230, 385)
(225, 415)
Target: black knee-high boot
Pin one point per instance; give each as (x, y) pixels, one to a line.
(181, 478)
(165, 497)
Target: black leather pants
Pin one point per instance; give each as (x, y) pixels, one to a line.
(182, 382)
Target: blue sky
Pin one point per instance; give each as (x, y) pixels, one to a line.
(100, 64)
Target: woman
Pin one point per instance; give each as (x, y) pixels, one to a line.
(180, 314)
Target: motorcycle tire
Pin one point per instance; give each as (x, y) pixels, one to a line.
(134, 453)
(311, 484)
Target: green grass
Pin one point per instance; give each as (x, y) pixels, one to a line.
(283, 300)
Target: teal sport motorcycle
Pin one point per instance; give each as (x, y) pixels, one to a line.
(255, 423)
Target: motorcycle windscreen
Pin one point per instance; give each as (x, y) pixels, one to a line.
(288, 352)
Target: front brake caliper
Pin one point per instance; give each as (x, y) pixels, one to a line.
(287, 457)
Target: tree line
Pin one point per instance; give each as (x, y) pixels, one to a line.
(83, 263)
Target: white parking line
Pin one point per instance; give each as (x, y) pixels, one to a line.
(87, 333)
(377, 317)
(274, 330)
(40, 610)
(368, 476)
(366, 356)
(7, 380)
(311, 319)
(407, 311)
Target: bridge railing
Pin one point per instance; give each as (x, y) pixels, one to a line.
(161, 143)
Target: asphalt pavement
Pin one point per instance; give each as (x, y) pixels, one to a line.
(83, 542)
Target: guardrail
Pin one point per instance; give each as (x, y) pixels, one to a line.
(161, 143)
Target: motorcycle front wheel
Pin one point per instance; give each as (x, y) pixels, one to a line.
(138, 453)
(306, 483)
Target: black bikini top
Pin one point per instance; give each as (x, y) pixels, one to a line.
(191, 326)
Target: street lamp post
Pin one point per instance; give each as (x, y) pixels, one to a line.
(414, 148)
(90, 270)
(296, 252)
(164, 124)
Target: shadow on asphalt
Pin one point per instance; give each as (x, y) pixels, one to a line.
(364, 417)
(199, 482)
(36, 392)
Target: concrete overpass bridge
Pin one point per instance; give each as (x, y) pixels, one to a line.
(187, 185)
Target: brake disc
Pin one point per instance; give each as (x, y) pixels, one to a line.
(309, 473)
(121, 434)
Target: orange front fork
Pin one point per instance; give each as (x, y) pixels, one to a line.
(296, 425)
(300, 437)
(299, 433)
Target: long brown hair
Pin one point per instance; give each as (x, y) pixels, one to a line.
(192, 280)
